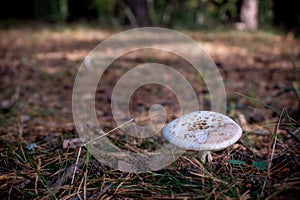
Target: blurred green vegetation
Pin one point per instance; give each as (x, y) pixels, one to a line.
(168, 13)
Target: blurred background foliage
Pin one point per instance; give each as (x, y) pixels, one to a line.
(167, 13)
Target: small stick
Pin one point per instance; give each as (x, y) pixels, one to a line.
(76, 165)
(101, 136)
(274, 144)
(293, 133)
(270, 158)
(79, 152)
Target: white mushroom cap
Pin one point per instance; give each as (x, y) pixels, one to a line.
(202, 131)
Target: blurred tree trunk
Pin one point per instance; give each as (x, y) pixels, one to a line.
(139, 9)
(248, 14)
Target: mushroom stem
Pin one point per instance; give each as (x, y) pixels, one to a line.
(204, 154)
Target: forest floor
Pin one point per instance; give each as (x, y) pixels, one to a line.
(38, 66)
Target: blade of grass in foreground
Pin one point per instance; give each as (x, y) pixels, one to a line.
(40, 175)
(270, 107)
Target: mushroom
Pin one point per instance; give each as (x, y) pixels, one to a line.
(202, 131)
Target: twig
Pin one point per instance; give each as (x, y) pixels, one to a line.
(37, 177)
(84, 185)
(293, 133)
(270, 158)
(78, 191)
(76, 164)
(68, 173)
(9, 192)
(101, 136)
(274, 144)
(93, 140)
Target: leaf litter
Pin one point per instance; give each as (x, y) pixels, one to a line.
(37, 71)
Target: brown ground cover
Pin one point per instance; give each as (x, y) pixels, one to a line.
(38, 66)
